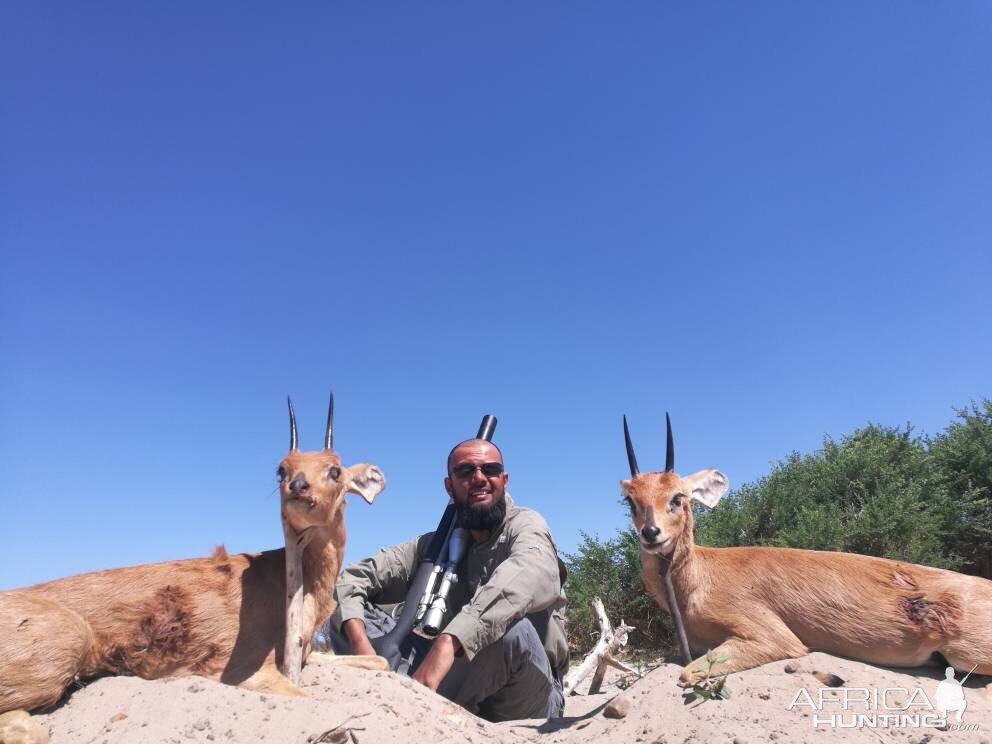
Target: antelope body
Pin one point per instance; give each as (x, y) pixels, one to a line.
(758, 604)
(222, 617)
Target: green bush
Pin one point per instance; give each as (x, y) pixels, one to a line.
(962, 458)
(873, 492)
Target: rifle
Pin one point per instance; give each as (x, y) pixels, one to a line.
(422, 597)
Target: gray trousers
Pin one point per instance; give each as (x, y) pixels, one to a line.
(506, 681)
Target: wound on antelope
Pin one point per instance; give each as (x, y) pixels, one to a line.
(938, 617)
(165, 627)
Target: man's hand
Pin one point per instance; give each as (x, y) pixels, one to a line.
(438, 661)
(354, 629)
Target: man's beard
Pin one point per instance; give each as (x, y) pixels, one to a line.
(482, 517)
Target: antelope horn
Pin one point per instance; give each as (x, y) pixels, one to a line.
(329, 433)
(292, 426)
(669, 446)
(630, 449)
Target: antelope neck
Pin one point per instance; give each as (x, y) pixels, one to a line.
(677, 563)
(321, 563)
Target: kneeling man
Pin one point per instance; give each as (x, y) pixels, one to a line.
(503, 653)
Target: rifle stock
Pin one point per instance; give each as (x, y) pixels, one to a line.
(388, 645)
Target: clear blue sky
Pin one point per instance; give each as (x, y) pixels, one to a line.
(771, 219)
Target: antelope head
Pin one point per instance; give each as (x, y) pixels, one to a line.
(312, 485)
(661, 502)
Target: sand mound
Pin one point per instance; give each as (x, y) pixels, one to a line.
(348, 706)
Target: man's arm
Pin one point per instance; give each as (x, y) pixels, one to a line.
(354, 630)
(437, 663)
(380, 579)
(526, 581)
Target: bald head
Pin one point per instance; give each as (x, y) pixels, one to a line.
(472, 447)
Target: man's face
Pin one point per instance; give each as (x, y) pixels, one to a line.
(475, 489)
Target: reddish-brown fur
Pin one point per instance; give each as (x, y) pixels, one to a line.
(762, 604)
(221, 617)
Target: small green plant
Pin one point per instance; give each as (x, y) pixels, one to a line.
(712, 686)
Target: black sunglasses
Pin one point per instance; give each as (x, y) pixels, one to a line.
(466, 470)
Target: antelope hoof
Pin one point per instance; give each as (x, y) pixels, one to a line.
(372, 663)
(691, 675)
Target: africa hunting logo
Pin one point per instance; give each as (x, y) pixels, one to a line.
(887, 707)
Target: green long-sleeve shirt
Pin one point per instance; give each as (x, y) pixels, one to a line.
(514, 573)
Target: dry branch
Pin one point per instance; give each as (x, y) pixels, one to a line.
(292, 655)
(611, 642)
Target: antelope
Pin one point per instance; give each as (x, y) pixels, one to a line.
(755, 605)
(224, 617)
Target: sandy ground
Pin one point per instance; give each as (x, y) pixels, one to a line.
(350, 706)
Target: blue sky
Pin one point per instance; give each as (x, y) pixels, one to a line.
(770, 219)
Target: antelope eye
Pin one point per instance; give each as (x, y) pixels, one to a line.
(281, 472)
(677, 500)
(334, 473)
(630, 505)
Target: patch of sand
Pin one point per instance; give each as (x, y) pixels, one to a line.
(351, 706)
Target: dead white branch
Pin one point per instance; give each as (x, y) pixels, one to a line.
(611, 642)
(292, 655)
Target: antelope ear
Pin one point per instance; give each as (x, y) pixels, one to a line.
(625, 488)
(366, 480)
(708, 486)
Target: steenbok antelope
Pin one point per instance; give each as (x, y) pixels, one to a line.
(223, 617)
(757, 605)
